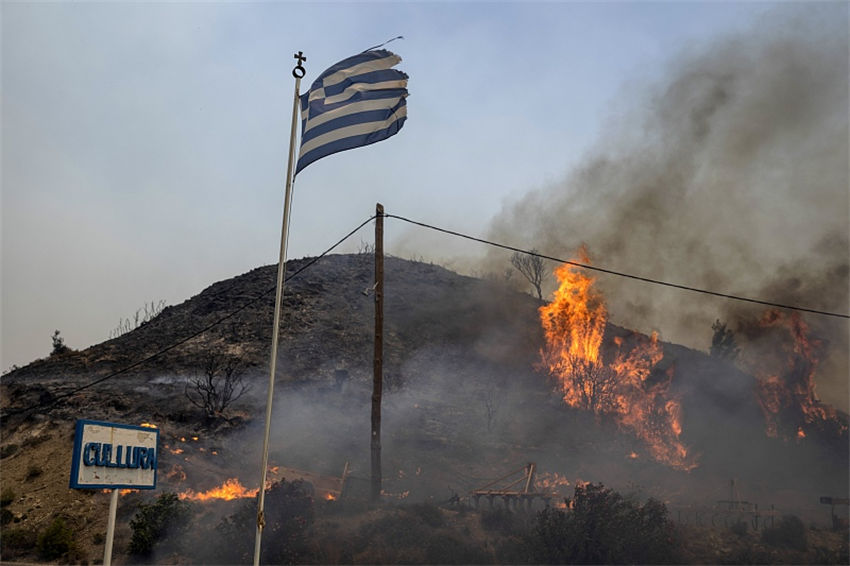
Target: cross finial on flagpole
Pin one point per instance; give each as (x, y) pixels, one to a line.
(299, 71)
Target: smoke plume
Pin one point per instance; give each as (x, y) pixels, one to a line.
(731, 175)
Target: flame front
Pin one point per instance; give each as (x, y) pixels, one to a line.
(784, 356)
(625, 387)
(229, 490)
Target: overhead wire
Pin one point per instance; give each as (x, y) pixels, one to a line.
(618, 273)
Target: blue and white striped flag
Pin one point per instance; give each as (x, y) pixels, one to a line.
(358, 101)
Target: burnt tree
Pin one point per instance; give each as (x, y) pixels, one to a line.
(531, 267)
(220, 386)
(723, 343)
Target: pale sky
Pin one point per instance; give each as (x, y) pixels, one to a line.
(144, 145)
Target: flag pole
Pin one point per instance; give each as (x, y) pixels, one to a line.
(298, 72)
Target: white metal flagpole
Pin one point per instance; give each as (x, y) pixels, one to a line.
(298, 72)
(110, 528)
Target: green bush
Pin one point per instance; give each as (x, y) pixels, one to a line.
(157, 522)
(56, 540)
(789, 533)
(7, 496)
(603, 527)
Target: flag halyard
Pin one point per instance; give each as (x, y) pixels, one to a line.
(358, 101)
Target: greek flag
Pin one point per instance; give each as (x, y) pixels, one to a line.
(358, 101)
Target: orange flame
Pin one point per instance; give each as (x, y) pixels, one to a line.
(330, 497)
(176, 473)
(399, 495)
(625, 387)
(229, 490)
(148, 425)
(551, 481)
(121, 492)
(786, 383)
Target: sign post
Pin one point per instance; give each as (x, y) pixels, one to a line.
(113, 456)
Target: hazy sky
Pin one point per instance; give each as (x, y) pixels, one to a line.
(144, 145)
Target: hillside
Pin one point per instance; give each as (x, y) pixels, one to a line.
(466, 401)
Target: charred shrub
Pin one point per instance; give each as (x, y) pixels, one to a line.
(219, 387)
(157, 524)
(288, 510)
(395, 537)
(512, 545)
(8, 450)
(790, 532)
(55, 541)
(603, 527)
(59, 346)
(442, 548)
(17, 543)
(413, 534)
(739, 528)
(33, 472)
(428, 514)
(36, 440)
(503, 521)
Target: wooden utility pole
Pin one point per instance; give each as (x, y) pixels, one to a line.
(377, 379)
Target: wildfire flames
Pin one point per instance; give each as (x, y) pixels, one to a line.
(551, 482)
(621, 384)
(176, 473)
(786, 383)
(230, 489)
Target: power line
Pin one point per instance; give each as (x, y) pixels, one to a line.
(618, 273)
(182, 341)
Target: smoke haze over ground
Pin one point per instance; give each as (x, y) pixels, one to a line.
(731, 175)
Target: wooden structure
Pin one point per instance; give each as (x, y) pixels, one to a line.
(515, 489)
(735, 510)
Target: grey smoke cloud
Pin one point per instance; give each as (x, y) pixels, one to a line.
(731, 174)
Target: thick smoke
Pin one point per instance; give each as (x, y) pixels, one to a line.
(732, 175)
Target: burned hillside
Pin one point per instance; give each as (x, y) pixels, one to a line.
(468, 397)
